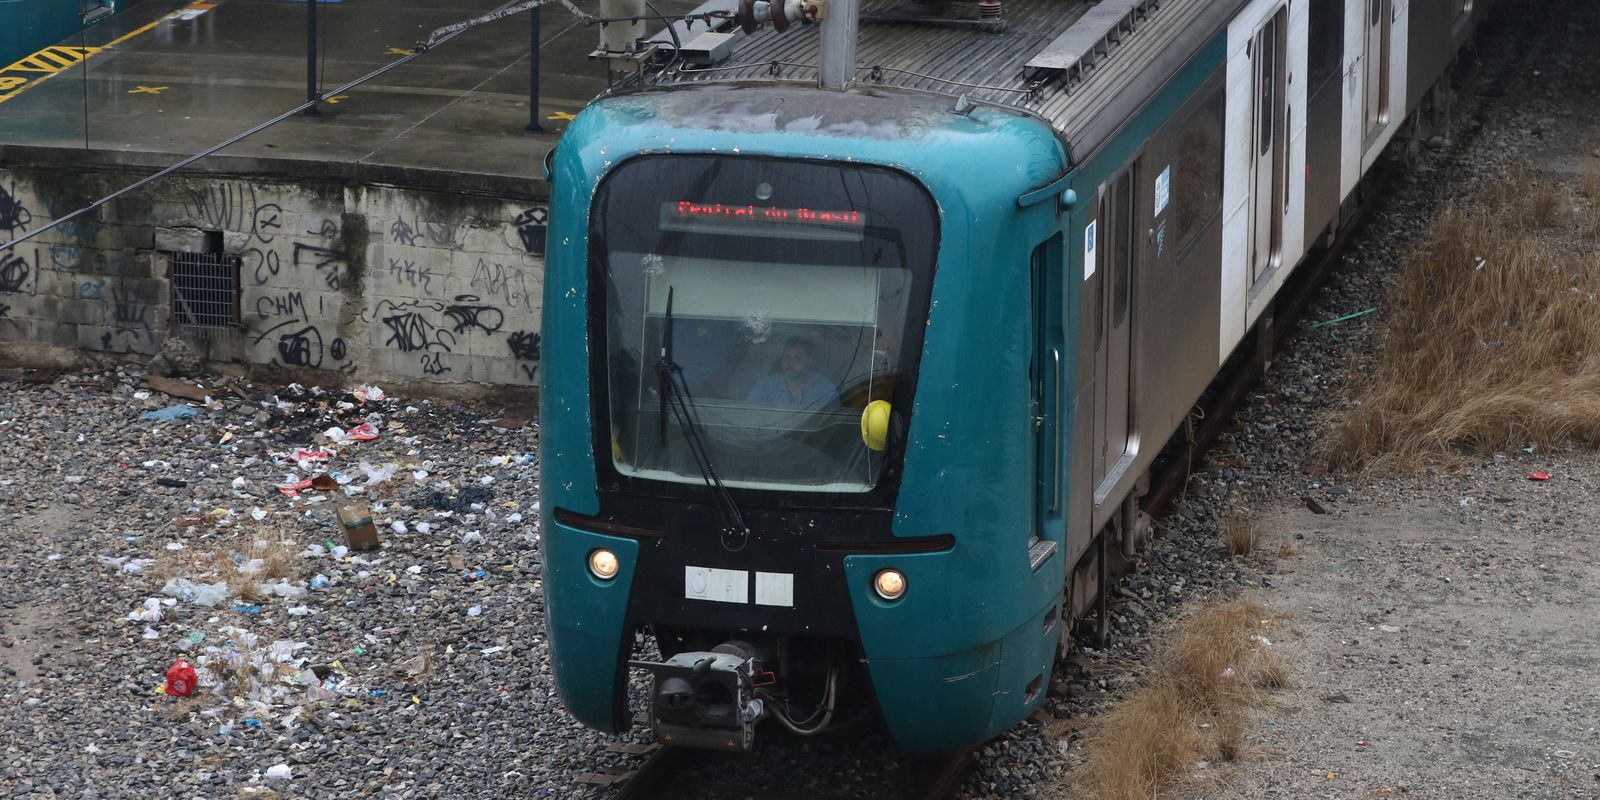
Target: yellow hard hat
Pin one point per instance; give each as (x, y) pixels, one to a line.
(875, 425)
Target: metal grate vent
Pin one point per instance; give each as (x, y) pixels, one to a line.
(205, 290)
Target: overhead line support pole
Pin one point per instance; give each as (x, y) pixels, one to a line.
(311, 58)
(533, 73)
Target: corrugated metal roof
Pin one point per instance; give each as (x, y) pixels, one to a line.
(987, 66)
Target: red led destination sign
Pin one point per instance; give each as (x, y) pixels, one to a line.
(685, 210)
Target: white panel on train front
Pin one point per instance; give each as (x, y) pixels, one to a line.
(716, 585)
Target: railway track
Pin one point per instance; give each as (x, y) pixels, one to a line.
(664, 766)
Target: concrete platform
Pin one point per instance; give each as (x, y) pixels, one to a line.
(171, 77)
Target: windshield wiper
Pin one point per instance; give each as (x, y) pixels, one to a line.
(674, 393)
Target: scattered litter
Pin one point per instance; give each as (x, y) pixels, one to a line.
(320, 581)
(364, 432)
(368, 394)
(1538, 476)
(172, 482)
(246, 609)
(202, 594)
(423, 527)
(489, 651)
(180, 679)
(149, 612)
(257, 514)
(278, 773)
(151, 633)
(474, 611)
(377, 475)
(1388, 629)
(1564, 754)
(171, 413)
(299, 611)
(282, 588)
(293, 485)
(472, 537)
(359, 532)
(1316, 507)
(398, 526)
(1318, 326)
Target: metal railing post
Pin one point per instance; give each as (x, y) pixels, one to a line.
(533, 73)
(311, 58)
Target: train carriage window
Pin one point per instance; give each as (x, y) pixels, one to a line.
(1326, 46)
(1199, 183)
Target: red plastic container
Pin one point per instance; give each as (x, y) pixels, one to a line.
(180, 679)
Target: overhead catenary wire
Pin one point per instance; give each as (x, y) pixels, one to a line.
(435, 39)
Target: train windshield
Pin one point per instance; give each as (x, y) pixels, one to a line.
(753, 309)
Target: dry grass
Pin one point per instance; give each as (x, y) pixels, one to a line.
(1240, 533)
(1495, 338)
(243, 563)
(1192, 706)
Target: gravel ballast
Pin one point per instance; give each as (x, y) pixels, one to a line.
(427, 664)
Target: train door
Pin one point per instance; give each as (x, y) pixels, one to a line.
(1114, 331)
(1380, 20)
(1045, 398)
(1270, 139)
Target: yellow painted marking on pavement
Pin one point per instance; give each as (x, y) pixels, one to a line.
(400, 51)
(149, 90)
(39, 67)
(562, 115)
(52, 59)
(334, 100)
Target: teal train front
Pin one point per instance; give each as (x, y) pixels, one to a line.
(788, 338)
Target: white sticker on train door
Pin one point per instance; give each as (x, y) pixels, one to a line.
(1089, 250)
(1163, 189)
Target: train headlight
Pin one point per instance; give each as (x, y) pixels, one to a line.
(890, 584)
(603, 564)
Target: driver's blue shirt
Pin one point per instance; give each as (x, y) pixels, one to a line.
(773, 390)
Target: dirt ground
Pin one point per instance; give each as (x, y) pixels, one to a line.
(1441, 647)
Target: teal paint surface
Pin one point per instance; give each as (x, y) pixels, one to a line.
(27, 26)
(966, 471)
(588, 616)
(944, 657)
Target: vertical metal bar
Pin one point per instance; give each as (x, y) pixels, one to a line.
(839, 45)
(533, 72)
(311, 58)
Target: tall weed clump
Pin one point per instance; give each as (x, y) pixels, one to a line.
(1494, 338)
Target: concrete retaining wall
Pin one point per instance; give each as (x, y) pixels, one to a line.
(374, 281)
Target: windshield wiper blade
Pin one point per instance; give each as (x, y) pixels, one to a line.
(675, 395)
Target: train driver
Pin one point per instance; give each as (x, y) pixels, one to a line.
(795, 384)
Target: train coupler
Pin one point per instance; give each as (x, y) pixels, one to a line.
(707, 699)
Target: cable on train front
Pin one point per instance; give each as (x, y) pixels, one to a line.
(785, 415)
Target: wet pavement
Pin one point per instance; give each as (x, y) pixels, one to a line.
(175, 77)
